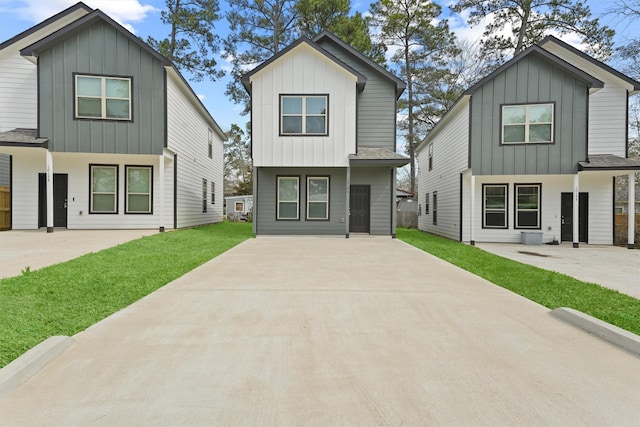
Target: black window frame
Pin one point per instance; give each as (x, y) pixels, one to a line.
(116, 195)
(298, 217)
(205, 190)
(516, 209)
(485, 210)
(126, 189)
(75, 76)
(527, 124)
(435, 208)
(426, 203)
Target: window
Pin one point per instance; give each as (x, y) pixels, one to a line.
(104, 189)
(435, 208)
(494, 206)
(303, 115)
(139, 182)
(239, 207)
(213, 193)
(431, 156)
(288, 197)
(426, 203)
(103, 97)
(528, 205)
(318, 197)
(531, 123)
(204, 196)
(210, 144)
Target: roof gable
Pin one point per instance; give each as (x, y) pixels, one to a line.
(327, 36)
(246, 78)
(78, 8)
(551, 39)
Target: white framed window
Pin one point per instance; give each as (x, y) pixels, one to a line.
(288, 198)
(139, 184)
(527, 209)
(101, 97)
(210, 144)
(527, 124)
(494, 205)
(239, 207)
(431, 156)
(204, 195)
(213, 193)
(318, 197)
(103, 197)
(304, 114)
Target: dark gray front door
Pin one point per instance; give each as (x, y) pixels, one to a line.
(566, 212)
(359, 208)
(60, 193)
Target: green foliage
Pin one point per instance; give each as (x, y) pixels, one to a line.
(238, 166)
(191, 42)
(258, 29)
(529, 21)
(67, 298)
(545, 287)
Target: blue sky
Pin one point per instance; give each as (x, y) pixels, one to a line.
(142, 17)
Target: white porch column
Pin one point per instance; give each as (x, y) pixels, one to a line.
(348, 204)
(393, 203)
(161, 187)
(576, 211)
(49, 175)
(631, 231)
(472, 211)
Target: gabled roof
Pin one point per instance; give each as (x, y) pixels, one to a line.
(547, 57)
(246, 78)
(81, 24)
(327, 35)
(45, 23)
(564, 45)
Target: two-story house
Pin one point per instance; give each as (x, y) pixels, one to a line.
(323, 140)
(103, 131)
(533, 147)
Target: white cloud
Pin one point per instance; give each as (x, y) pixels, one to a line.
(126, 12)
(201, 96)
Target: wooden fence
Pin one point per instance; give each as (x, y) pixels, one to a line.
(621, 221)
(5, 208)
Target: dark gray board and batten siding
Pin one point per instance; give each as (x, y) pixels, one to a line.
(101, 50)
(376, 103)
(531, 80)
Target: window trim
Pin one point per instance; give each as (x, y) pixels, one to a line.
(527, 124)
(430, 151)
(303, 114)
(103, 97)
(205, 191)
(435, 208)
(235, 206)
(213, 192)
(117, 184)
(308, 202)
(278, 177)
(210, 144)
(426, 203)
(126, 190)
(515, 206)
(485, 210)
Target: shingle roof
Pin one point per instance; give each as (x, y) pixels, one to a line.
(23, 138)
(608, 162)
(377, 155)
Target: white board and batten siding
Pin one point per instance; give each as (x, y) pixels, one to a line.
(303, 71)
(599, 186)
(450, 158)
(18, 79)
(187, 135)
(607, 106)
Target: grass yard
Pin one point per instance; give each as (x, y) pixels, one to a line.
(67, 298)
(545, 287)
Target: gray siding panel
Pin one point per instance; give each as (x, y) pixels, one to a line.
(531, 80)
(101, 50)
(376, 104)
(266, 202)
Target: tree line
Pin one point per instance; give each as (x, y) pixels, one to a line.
(411, 38)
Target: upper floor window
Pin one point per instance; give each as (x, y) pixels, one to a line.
(210, 144)
(522, 124)
(431, 156)
(303, 114)
(100, 97)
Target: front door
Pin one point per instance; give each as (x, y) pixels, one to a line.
(359, 208)
(566, 212)
(60, 185)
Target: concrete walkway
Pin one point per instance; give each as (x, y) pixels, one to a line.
(331, 331)
(609, 266)
(37, 248)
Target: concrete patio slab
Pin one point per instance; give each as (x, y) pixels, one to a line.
(331, 331)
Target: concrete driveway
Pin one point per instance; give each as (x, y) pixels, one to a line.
(331, 331)
(37, 249)
(609, 266)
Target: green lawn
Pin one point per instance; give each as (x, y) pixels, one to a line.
(67, 298)
(545, 287)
